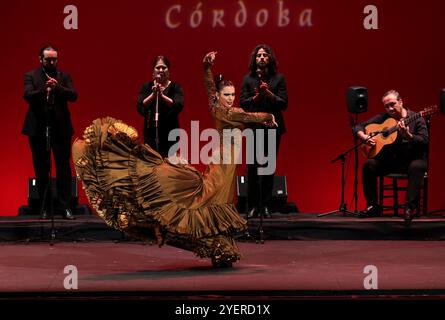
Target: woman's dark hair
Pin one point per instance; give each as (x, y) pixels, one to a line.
(273, 64)
(163, 59)
(221, 83)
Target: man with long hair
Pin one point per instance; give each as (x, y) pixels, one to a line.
(263, 90)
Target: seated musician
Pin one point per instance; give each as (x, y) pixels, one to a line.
(403, 151)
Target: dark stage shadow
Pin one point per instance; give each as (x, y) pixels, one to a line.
(168, 272)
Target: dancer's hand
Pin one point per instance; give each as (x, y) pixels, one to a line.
(209, 58)
(271, 123)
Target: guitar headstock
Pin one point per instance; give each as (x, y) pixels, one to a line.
(429, 111)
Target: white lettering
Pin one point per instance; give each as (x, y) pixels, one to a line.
(220, 19)
(262, 159)
(182, 145)
(306, 18)
(241, 15)
(196, 16)
(168, 20)
(217, 18)
(195, 145)
(211, 149)
(184, 310)
(371, 280)
(227, 152)
(261, 17)
(371, 20)
(283, 15)
(71, 20)
(71, 281)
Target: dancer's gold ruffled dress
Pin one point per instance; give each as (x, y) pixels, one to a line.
(136, 191)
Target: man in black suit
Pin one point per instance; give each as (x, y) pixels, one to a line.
(48, 126)
(263, 90)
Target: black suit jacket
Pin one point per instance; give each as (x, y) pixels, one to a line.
(55, 109)
(277, 85)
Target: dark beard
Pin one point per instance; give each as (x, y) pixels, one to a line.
(52, 72)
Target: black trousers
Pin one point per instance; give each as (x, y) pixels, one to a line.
(260, 187)
(373, 168)
(164, 144)
(61, 147)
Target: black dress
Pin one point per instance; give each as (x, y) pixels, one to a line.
(168, 115)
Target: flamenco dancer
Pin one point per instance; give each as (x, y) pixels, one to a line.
(135, 190)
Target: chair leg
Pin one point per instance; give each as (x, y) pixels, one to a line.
(381, 193)
(425, 196)
(395, 196)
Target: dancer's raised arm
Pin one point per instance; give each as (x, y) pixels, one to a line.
(209, 83)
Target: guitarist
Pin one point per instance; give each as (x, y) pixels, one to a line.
(406, 154)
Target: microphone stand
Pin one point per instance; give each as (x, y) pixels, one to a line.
(343, 208)
(47, 197)
(157, 117)
(261, 205)
(355, 169)
(261, 211)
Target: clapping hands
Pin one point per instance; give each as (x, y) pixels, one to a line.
(51, 83)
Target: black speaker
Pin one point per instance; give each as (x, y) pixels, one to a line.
(279, 192)
(442, 101)
(241, 186)
(33, 194)
(357, 98)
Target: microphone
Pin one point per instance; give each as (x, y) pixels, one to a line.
(48, 89)
(157, 79)
(259, 74)
(157, 82)
(48, 92)
(260, 78)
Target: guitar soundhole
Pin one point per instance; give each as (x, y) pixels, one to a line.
(384, 137)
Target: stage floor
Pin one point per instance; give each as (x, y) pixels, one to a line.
(305, 260)
(276, 269)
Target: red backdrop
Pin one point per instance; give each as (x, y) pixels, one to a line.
(110, 53)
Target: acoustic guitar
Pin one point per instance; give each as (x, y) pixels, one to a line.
(386, 133)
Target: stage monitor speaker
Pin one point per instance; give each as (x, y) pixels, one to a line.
(33, 194)
(442, 101)
(279, 192)
(357, 98)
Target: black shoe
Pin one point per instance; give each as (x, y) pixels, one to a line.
(252, 213)
(371, 211)
(221, 264)
(44, 215)
(67, 214)
(409, 214)
(267, 213)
